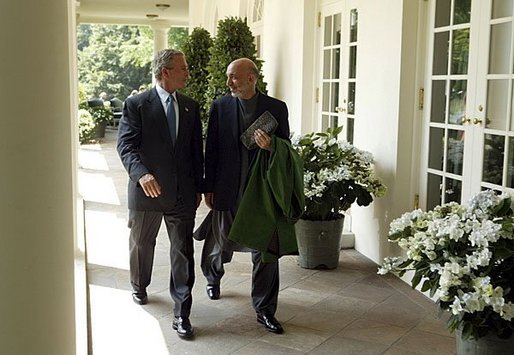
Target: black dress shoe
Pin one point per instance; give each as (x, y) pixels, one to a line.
(183, 327)
(213, 291)
(140, 297)
(270, 323)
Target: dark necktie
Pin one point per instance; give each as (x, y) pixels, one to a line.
(172, 119)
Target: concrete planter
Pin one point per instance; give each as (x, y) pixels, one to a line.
(319, 243)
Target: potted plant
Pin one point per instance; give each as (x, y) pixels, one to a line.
(336, 174)
(464, 256)
(102, 114)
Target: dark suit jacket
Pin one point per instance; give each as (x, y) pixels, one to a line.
(222, 152)
(144, 146)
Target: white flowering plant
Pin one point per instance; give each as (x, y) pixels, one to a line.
(336, 174)
(464, 256)
(101, 113)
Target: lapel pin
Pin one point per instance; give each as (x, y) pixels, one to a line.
(186, 108)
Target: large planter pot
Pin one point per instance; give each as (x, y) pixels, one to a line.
(100, 129)
(319, 243)
(488, 345)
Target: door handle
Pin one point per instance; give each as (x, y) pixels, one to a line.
(465, 120)
(477, 121)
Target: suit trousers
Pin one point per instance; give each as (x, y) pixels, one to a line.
(218, 249)
(144, 227)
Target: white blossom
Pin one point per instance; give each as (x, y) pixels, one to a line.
(456, 246)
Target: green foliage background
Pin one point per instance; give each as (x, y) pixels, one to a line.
(117, 59)
(196, 49)
(233, 40)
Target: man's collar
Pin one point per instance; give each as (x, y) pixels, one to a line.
(163, 94)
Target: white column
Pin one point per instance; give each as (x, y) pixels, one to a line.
(160, 37)
(37, 177)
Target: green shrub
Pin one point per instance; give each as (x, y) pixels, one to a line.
(234, 40)
(196, 49)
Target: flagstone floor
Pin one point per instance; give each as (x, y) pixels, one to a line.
(349, 310)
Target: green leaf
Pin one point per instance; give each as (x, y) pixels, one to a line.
(426, 286)
(416, 279)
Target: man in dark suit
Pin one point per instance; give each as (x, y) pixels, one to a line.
(227, 163)
(160, 145)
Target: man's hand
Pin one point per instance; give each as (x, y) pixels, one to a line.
(262, 139)
(209, 199)
(150, 186)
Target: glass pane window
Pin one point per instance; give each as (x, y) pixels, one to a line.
(455, 156)
(497, 101)
(334, 121)
(257, 10)
(452, 191)
(510, 164)
(326, 97)
(324, 122)
(494, 147)
(512, 107)
(328, 31)
(441, 50)
(326, 63)
(336, 38)
(442, 13)
(353, 25)
(500, 48)
(335, 63)
(460, 51)
(351, 98)
(436, 148)
(438, 104)
(502, 8)
(462, 11)
(349, 132)
(352, 65)
(457, 101)
(434, 189)
(334, 97)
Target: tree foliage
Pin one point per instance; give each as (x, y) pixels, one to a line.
(234, 40)
(177, 37)
(117, 59)
(196, 49)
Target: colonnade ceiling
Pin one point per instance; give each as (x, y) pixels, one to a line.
(138, 12)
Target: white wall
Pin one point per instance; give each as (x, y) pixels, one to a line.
(205, 13)
(386, 71)
(288, 53)
(38, 181)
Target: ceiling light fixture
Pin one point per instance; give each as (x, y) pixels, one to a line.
(162, 7)
(152, 16)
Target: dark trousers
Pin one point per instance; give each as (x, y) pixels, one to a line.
(218, 249)
(144, 227)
